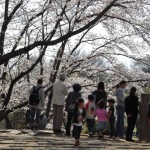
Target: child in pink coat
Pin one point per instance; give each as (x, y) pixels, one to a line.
(101, 114)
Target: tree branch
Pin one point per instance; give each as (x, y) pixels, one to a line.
(10, 55)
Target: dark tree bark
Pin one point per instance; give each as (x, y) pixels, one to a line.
(5, 58)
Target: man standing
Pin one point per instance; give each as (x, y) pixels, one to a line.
(120, 94)
(36, 104)
(58, 101)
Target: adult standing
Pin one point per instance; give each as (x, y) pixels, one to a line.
(58, 101)
(131, 109)
(120, 94)
(36, 104)
(70, 105)
(100, 94)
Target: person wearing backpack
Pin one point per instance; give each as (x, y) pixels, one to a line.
(100, 94)
(36, 104)
(58, 102)
(70, 105)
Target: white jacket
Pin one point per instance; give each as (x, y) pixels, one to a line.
(59, 93)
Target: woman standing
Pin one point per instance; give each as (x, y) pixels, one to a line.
(70, 105)
(100, 94)
(131, 109)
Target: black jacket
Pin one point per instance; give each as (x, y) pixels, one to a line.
(100, 95)
(76, 115)
(71, 99)
(131, 105)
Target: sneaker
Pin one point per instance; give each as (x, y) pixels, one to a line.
(90, 135)
(32, 128)
(35, 131)
(57, 131)
(100, 137)
(36, 128)
(77, 143)
(116, 138)
(68, 135)
(122, 137)
(60, 132)
(130, 140)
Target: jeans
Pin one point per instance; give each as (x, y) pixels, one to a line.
(131, 124)
(120, 121)
(90, 125)
(113, 131)
(69, 121)
(77, 131)
(35, 115)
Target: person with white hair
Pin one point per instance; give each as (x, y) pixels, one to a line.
(58, 102)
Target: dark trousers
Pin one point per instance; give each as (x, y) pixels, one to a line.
(35, 115)
(120, 121)
(69, 121)
(90, 125)
(113, 131)
(77, 131)
(131, 124)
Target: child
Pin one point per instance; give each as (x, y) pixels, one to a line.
(90, 114)
(101, 114)
(111, 118)
(78, 117)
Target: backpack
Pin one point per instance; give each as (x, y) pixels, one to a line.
(34, 98)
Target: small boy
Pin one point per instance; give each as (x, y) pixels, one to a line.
(78, 117)
(90, 115)
(111, 118)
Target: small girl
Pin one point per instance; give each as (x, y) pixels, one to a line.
(101, 114)
(78, 117)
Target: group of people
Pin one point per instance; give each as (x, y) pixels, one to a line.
(98, 116)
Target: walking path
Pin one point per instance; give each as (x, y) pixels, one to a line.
(45, 140)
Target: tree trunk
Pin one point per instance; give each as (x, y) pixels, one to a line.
(13, 109)
(41, 67)
(49, 105)
(28, 76)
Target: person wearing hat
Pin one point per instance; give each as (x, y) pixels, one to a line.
(111, 118)
(70, 105)
(58, 102)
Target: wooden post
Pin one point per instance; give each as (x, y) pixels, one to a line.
(144, 125)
